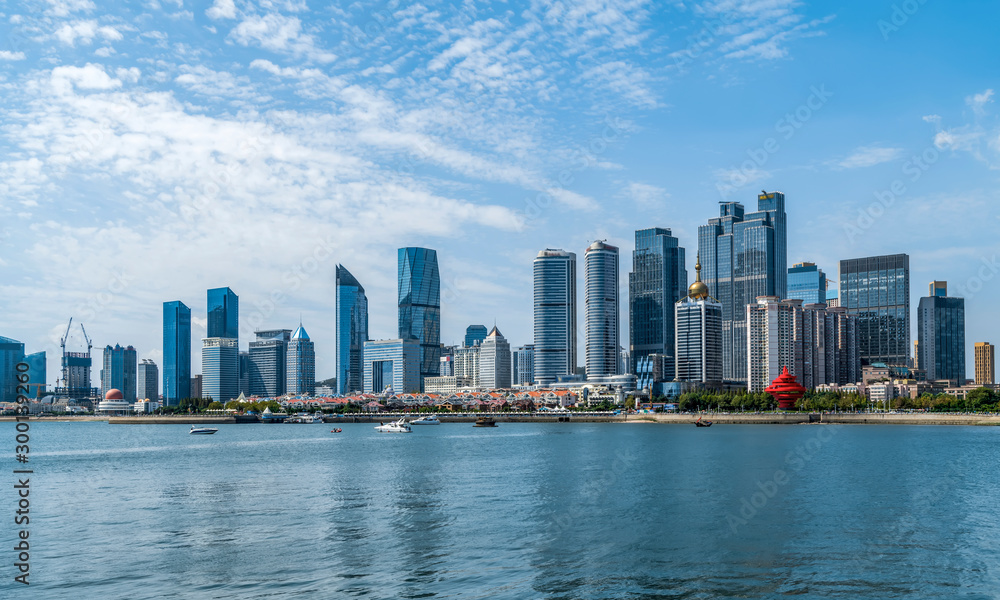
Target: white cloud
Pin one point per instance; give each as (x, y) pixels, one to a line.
(646, 196)
(63, 8)
(869, 156)
(279, 33)
(222, 9)
(979, 101)
(8, 55)
(85, 32)
(89, 77)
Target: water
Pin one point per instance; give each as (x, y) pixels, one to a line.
(521, 511)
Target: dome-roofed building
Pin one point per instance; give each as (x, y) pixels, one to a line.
(698, 334)
(114, 403)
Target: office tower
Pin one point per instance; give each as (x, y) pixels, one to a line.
(392, 364)
(698, 353)
(475, 333)
(832, 298)
(36, 374)
(420, 305)
(744, 257)
(807, 282)
(223, 313)
(657, 281)
(877, 290)
(119, 371)
(494, 361)
(147, 381)
(195, 389)
(467, 364)
(600, 301)
(11, 353)
(176, 352)
(300, 369)
(268, 357)
(554, 315)
(916, 354)
(985, 367)
(523, 365)
(352, 331)
(771, 333)
(245, 368)
(446, 365)
(941, 333)
(220, 367)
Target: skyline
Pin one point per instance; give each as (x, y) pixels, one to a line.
(131, 140)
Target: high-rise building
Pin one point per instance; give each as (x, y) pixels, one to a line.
(658, 281)
(220, 367)
(554, 315)
(392, 363)
(467, 364)
(352, 331)
(877, 290)
(195, 389)
(176, 352)
(223, 314)
(523, 365)
(807, 282)
(601, 313)
(420, 305)
(941, 333)
(11, 353)
(119, 371)
(829, 341)
(268, 357)
(147, 381)
(744, 257)
(494, 361)
(474, 334)
(916, 354)
(985, 365)
(36, 374)
(300, 366)
(832, 298)
(698, 350)
(245, 367)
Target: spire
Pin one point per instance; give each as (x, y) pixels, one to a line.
(698, 290)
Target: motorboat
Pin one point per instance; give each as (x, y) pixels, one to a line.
(337, 430)
(700, 423)
(202, 430)
(485, 422)
(400, 426)
(428, 420)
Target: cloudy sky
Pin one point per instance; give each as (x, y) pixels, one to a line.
(154, 149)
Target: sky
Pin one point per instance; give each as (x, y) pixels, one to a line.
(151, 150)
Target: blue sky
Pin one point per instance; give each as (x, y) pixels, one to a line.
(152, 150)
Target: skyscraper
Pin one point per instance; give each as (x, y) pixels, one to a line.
(300, 366)
(698, 334)
(475, 333)
(744, 257)
(807, 282)
(223, 314)
(220, 369)
(352, 331)
(985, 365)
(119, 371)
(941, 323)
(268, 358)
(657, 281)
(11, 353)
(523, 364)
(392, 363)
(147, 381)
(36, 374)
(176, 352)
(494, 361)
(554, 315)
(420, 305)
(877, 289)
(600, 298)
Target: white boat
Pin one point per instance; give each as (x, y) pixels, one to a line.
(400, 426)
(202, 430)
(428, 420)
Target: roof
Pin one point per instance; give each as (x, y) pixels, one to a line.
(300, 333)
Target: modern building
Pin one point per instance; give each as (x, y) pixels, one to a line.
(744, 257)
(352, 331)
(466, 364)
(807, 282)
(445, 385)
(698, 353)
(877, 290)
(601, 309)
(494, 361)
(522, 362)
(119, 371)
(195, 389)
(36, 374)
(147, 381)
(941, 333)
(446, 365)
(245, 368)
(658, 281)
(475, 334)
(268, 358)
(829, 341)
(223, 313)
(554, 315)
(300, 364)
(392, 364)
(11, 353)
(985, 365)
(176, 352)
(916, 354)
(420, 305)
(220, 365)
(832, 298)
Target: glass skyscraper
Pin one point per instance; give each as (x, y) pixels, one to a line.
(600, 301)
(554, 315)
(744, 257)
(176, 352)
(147, 381)
(392, 363)
(807, 282)
(475, 333)
(698, 325)
(877, 289)
(11, 353)
(119, 371)
(220, 369)
(300, 364)
(36, 373)
(657, 281)
(268, 358)
(352, 331)
(420, 305)
(941, 333)
(223, 313)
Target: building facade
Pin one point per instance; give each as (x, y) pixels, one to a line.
(522, 363)
(419, 284)
(658, 281)
(300, 364)
(554, 315)
(698, 337)
(268, 358)
(941, 334)
(494, 361)
(223, 313)
(11, 353)
(147, 381)
(985, 365)
(475, 334)
(36, 374)
(601, 310)
(466, 364)
(352, 331)
(392, 364)
(176, 352)
(877, 290)
(807, 282)
(195, 390)
(220, 363)
(119, 371)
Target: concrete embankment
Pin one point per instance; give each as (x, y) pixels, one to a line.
(826, 418)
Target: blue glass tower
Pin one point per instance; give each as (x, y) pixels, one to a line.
(36, 372)
(475, 333)
(11, 353)
(176, 352)
(223, 314)
(657, 281)
(807, 282)
(420, 305)
(352, 331)
(877, 290)
(941, 335)
(554, 315)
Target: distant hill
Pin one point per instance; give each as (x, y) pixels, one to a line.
(332, 382)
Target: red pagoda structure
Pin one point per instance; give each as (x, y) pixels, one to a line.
(786, 390)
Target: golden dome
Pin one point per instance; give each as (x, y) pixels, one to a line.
(698, 290)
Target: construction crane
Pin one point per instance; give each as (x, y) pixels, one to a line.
(62, 342)
(90, 344)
